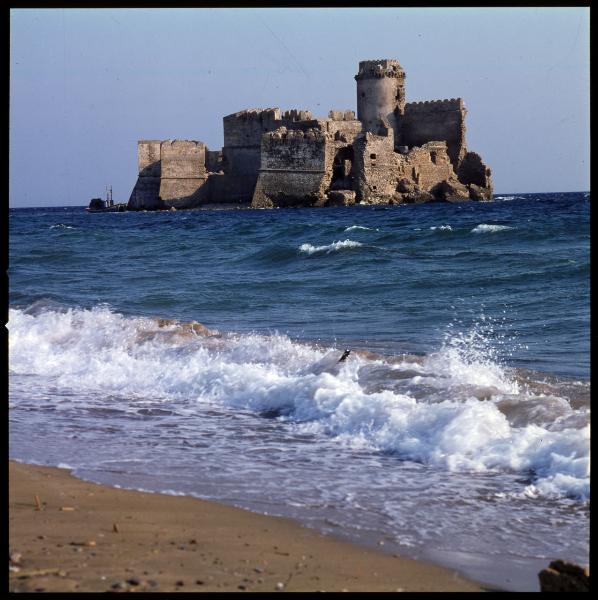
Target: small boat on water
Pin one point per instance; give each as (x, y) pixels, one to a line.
(98, 205)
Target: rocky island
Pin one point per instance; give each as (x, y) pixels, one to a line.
(393, 152)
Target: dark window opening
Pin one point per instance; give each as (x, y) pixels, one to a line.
(433, 156)
(341, 168)
(363, 94)
(374, 187)
(373, 156)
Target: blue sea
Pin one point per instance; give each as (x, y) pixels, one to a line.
(456, 430)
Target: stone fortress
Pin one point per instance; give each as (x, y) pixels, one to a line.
(393, 152)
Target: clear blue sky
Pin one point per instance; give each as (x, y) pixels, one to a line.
(86, 84)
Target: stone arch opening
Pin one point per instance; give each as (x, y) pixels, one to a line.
(341, 168)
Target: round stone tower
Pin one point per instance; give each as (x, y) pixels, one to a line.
(380, 94)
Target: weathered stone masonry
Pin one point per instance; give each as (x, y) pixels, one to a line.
(393, 152)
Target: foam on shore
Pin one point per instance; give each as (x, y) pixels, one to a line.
(458, 409)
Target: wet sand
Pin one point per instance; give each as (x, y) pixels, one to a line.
(86, 537)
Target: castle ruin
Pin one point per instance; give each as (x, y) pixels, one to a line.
(393, 152)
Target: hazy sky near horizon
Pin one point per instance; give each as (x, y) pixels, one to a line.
(86, 84)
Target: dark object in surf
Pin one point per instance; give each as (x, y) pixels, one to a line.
(344, 356)
(561, 576)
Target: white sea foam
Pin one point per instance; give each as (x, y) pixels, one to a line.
(61, 226)
(355, 227)
(442, 228)
(488, 228)
(334, 247)
(448, 414)
(65, 466)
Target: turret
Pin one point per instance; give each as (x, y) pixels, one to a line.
(380, 95)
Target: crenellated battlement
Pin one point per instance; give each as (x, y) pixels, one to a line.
(297, 115)
(182, 144)
(374, 69)
(342, 115)
(255, 114)
(434, 105)
(282, 135)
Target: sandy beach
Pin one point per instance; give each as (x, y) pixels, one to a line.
(69, 535)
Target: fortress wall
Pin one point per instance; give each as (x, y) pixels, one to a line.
(345, 131)
(213, 161)
(148, 158)
(294, 169)
(294, 150)
(145, 194)
(384, 175)
(294, 189)
(183, 173)
(343, 125)
(241, 166)
(184, 193)
(245, 128)
(241, 152)
(182, 159)
(146, 191)
(436, 120)
(376, 167)
(229, 188)
(238, 161)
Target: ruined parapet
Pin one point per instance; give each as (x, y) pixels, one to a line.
(380, 93)
(297, 115)
(384, 176)
(474, 173)
(294, 168)
(436, 120)
(428, 165)
(341, 115)
(343, 126)
(376, 167)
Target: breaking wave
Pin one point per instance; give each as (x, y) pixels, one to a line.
(61, 226)
(456, 408)
(334, 247)
(442, 228)
(486, 228)
(355, 227)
